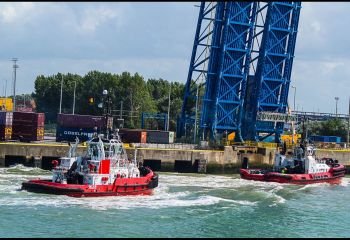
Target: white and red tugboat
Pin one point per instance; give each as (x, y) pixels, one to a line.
(105, 170)
(301, 167)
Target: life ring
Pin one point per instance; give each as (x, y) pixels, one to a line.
(54, 163)
(310, 151)
(91, 167)
(58, 179)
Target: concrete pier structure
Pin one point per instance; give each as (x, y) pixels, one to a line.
(160, 157)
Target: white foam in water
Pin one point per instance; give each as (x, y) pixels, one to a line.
(173, 191)
(162, 197)
(345, 182)
(21, 167)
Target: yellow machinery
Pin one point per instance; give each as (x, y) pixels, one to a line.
(6, 104)
(288, 138)
(231, 136)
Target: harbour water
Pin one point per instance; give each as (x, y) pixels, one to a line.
(184, 205)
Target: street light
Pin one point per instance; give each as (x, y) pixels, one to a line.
(105, 102)
(107, 109)
(61, 93)
(167, 126)
(75, 86)
(295, 90)
(336, 106)
(15, 66)
(348, 135)
(293, 129)
(195, 119)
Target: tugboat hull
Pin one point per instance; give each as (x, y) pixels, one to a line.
(121, 187)
(105, 170)
(332, 177)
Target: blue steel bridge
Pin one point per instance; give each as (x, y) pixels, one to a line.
(240, 67)
(317, 116)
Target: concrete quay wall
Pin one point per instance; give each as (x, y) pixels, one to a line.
(163, 158)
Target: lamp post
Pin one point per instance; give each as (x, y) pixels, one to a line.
(167, 126)
(15, 66)
(295, 90)
(107, 110)
(293, 129)
(195, 119)
(348, 135)
(336, 106)
(61, 94)
(75, 86)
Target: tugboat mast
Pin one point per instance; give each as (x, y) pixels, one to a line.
(107, 112)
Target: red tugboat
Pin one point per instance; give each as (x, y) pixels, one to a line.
(302, 167)
(105, 170)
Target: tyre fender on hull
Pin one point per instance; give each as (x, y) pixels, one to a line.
(270, 175)
(154, 181)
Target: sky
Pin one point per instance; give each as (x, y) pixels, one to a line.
(155, 39)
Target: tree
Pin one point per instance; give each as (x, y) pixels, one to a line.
(132, 90)
(136, 94)
(159, 90)
(332, 127)
(93, 84)
(48, 92)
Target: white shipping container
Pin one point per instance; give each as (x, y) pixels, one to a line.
(171, 137)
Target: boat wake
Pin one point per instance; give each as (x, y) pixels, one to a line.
(174, 190)
(345, 182)
(20, 168)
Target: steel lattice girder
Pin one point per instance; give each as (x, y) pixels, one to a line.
(226, 86)
(228, 39)
(161, 116)
(235, 64)
(274, 65)
(198, 69)
(209, 101)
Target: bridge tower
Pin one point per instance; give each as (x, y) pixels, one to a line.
(209, 20)
(222, 68)
(240, 66)
(271, 67)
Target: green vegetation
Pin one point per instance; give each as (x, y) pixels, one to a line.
(132, 91)
(332, 127)
(135, 94)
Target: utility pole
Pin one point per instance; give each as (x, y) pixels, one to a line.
(75, 86)
(336, 106)
(295, 90)
(195, 119)
(348, 136)
(5, 100)
(121, 110)
(168, 109)
(15, 66)
(131, 109)
(5, 88)
(61, 93)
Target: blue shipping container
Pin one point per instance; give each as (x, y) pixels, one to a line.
(70, 133)
(332, 139)
(6, 118)
(84, 121)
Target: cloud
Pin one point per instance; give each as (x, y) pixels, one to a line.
(29, 69)
(93, 17)
(318, 82)
(15, 12)
(156, 40)
(316, 27)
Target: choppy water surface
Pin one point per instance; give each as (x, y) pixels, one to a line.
(184, 205)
